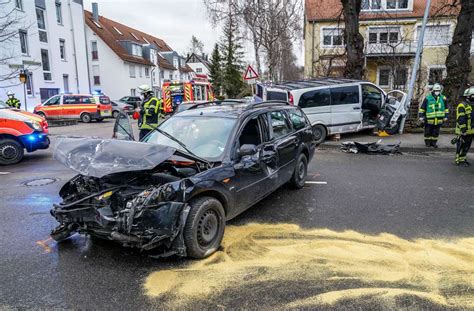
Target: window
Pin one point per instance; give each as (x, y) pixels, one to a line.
(56, 100)
(46, 65)
(19, 4)
(132, 71)
(333, 37)
(397, 4)
(436, 75)
(198, 70)
(162, 74)
(77, 100)
(436, 35)
(371, 97)
(95, 53)
(317, 98)
(97, 24)
(384, 35)
(59, 13)
(279, 123)
(273, 95)
(147, 72)
(133, 35)
(139, 71)
(118, 31)
(136, 50)
(66, 83)
(376, 5)
(43, 36)
(29, 84)
(96, 74)
(400, 78)
(132, 92)
(24, 42)
(371, 5)
(251, 134)
(345, 95)
(373, 37)
(297, 119)
(384, 77)
(62, 49)
(175, 63)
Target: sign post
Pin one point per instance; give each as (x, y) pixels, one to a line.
(23, 79)
(251, 77)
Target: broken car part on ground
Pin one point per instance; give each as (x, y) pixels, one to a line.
(370, 148)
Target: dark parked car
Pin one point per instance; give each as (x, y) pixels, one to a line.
(118, 107)
(131, 100)
(173, 192)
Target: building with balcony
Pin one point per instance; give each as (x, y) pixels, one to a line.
(391, 29)
(47, 39)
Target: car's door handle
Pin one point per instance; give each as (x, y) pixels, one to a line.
(356, 108)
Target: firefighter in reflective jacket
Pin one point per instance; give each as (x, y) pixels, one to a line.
(151, 111)
(12, 101)
(433, 112)
(464, 126)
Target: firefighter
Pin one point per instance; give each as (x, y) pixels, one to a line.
(12, 101)
(151, 111)
(433, 112)
(464, 126)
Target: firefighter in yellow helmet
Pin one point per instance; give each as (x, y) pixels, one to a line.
(433, 112)
(464, 126)
(151, 110)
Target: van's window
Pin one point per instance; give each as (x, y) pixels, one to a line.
(105, 100)
(345, 95)
(371, 97)
(317, 98)
(272, 95)
(297, 118)
(76, 100)
(53, 101)
(279, 123)
(259, 91)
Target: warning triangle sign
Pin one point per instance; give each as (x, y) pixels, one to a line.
(250, 73)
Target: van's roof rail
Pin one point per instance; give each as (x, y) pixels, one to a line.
(308, 83)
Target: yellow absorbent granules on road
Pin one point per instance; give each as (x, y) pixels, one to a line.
(322, 268)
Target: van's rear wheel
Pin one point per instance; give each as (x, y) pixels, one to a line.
(86, 118)
(319, 133)
(11, 151)
(204, 227)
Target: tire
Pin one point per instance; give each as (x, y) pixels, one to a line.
(319, 133)
(115, 114)
(298, 179)
(204, 227)
(86, 118)
(11, 151)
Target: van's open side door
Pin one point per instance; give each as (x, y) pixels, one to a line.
(401, 109)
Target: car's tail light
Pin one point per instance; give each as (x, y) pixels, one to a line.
(291, 100)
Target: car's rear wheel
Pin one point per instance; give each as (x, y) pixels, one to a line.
(301, 172)
(204, 227)
(86, 118)
(319, 133)
(11, 151)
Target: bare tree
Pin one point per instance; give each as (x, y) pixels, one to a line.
(195, 46)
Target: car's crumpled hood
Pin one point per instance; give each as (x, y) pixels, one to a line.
(98, 157)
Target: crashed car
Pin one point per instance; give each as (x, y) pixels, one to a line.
(172, 193)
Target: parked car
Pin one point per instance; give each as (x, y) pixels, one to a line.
(19, 131)
(336, 106)
(268, 91)
(118, 107)
(76, 106)
(135, 101)
(173, 192)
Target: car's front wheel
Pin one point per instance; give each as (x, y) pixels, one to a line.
(11, 151)
(301, 171)
(204, 227)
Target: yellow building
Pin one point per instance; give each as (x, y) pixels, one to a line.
(390, 29)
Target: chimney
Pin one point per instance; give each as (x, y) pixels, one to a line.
(95, 11)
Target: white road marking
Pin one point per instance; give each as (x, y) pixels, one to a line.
(316, 182)
(5, 173)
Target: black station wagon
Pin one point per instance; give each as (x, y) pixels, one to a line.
(172, 193)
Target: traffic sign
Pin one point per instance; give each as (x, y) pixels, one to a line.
(250, 74)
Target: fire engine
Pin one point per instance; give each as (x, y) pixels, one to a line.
(176, 92)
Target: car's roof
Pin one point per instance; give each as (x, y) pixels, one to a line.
(305, 84)
(72, 94)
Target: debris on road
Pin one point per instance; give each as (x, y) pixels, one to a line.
(370, 148)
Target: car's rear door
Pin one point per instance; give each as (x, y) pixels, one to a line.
(346, 109)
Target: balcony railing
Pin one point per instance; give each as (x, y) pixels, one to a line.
(401, 48)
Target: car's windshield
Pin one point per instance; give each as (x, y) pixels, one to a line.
(206, 137)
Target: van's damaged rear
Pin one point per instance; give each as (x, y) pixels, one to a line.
(132, 193)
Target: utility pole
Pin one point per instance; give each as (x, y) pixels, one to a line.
(416, 65)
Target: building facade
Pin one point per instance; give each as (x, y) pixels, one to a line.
(199, 64)
(391, 29)
(48, 44)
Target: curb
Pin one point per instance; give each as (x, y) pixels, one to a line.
(407, 149)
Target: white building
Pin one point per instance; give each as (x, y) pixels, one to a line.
(122, 58)
(199, 64)
(49, 42)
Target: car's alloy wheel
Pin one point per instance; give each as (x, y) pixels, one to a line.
(204, 227)
(301, 171)
(11, 152)
(319, 133)
(86, 118)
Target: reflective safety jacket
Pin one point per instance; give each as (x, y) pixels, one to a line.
(433, 109)
(13, 102)
(151, 114)
(464, 116)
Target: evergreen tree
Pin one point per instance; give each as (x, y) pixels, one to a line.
(215, 70)
(232, 54)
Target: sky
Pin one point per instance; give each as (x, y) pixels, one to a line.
(174, 21)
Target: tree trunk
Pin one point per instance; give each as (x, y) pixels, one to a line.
(458, 64)
(256, 47)
(353, 39)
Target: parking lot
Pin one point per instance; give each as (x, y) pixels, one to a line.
(366, 232)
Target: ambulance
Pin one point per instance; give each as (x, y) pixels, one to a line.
(176, 92)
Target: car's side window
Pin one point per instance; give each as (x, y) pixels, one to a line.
(316, 98)
(279, 124)
(70, 100)
(345, 95)
(251, 134)
(53, 101)
(297, 119)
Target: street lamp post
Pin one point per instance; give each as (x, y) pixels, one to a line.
(23, 79)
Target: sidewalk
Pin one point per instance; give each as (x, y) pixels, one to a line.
(409, 142)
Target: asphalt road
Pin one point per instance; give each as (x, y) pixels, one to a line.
(374, 232)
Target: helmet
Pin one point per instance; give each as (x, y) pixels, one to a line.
(469, 92)
(144, 88)
(10, 93)
(437, 87)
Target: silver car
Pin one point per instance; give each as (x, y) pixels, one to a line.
(118, 107)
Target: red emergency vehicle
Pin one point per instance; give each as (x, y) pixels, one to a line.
(174, 93)
(20, 130)
(84, 107)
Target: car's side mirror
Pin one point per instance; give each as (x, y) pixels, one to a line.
(247, 149)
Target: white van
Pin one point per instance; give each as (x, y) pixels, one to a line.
(336, 105)
(267, 91)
